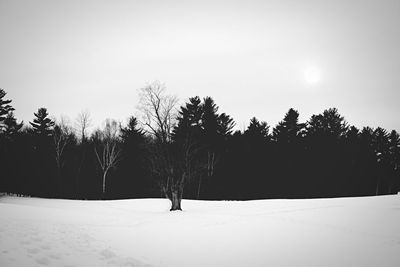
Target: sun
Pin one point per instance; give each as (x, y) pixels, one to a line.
(312, 75)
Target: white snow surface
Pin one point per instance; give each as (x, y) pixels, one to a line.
(361, 231)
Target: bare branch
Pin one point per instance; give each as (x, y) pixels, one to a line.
(83, 122)
(107, 146)
(158, 110)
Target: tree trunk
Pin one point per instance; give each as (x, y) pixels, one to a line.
(212, 164)
(176, 200)
(104, 183)
(76, 184)
(59, 180)
(77, 194)
(199, 188)
(377, 186)
(208, 164)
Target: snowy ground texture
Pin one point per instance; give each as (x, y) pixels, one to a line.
(320, 232)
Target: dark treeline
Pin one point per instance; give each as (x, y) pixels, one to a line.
(194, 153)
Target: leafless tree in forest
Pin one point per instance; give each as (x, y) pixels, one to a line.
(62, 135)
(83, 122)
(107, 150)
(158, 118)
(158, 111)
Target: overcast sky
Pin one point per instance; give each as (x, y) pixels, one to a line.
(253, 57)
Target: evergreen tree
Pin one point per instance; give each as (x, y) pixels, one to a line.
(394, 149)
(257, 130)
(288, 130)
(366, 137)
(351, 161)
(131, 133)
(42, 125)
(189, 121)
(199, 137)
(188, 145)
(5, 109)
(380, 144)
(352, 134)
(225, 125)
(288, 158)
(368, 162)
(209, 125)
(394, 161)
(11, 125)
(214, 126)
(209, 122)
(325, 134)
(133, 181)
(42, 149)
(215, 130)
(252, 158)
(329, 124)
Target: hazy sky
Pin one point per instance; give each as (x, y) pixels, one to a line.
(253, 57)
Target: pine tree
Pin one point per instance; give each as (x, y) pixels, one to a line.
(131, 133)
(215, 127)
(215, 130)
(11, 125)
(366, 137)
(394, 149)
(394, 158)
(43, 153)
(199, 136)
(352, 134)
(188, 146)
(288, 130)
(381, 144)
(329, 124)
(257, 130)
(252, 151)
(325, 135)
(209, 121)
(189, 121)
(225, 125)
(133, 180)
(42, 125)
(5, 109)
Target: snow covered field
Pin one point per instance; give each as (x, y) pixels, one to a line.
(320, 232)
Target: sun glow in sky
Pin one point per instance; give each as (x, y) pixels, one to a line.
(70, 56)
(312, 75)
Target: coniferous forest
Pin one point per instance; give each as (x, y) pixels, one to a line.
(192, 151)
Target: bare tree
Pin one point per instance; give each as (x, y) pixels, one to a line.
(159, 117)
(158, 110)
(62, 135)
(83, 122)
(107, 150)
